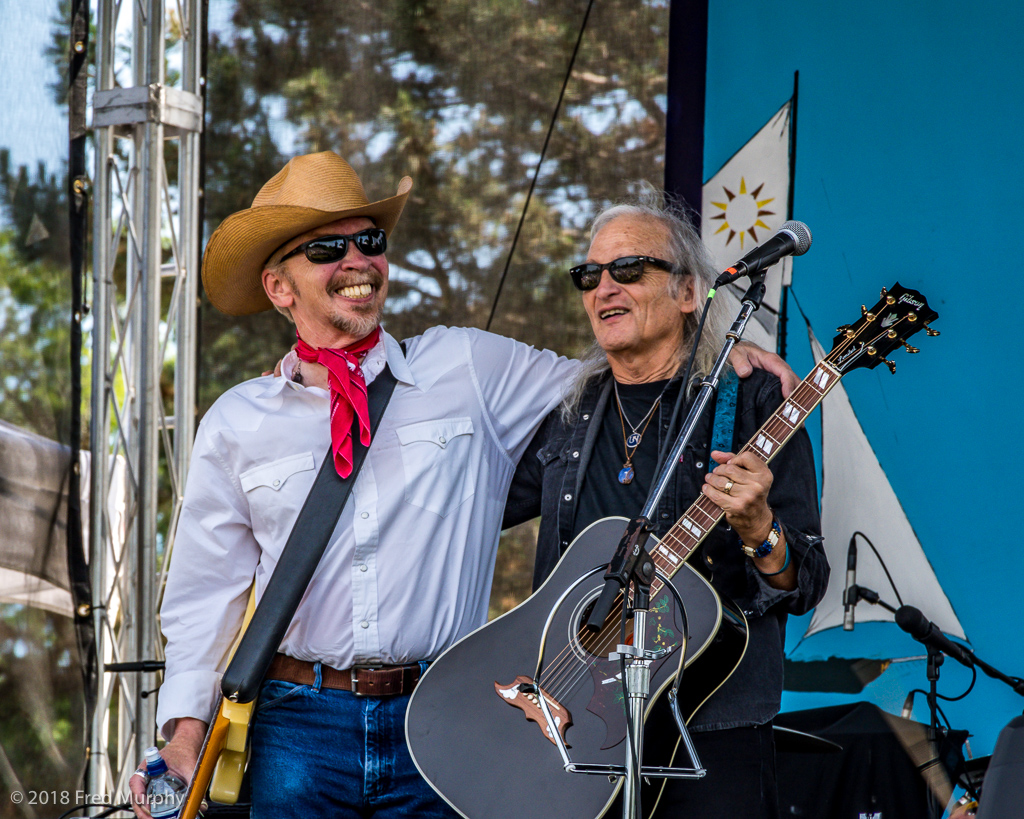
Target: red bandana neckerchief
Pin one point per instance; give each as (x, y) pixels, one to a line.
(348, 394)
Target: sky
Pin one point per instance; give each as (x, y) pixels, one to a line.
(33, 127)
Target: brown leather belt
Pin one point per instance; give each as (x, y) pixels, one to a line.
(380, 681)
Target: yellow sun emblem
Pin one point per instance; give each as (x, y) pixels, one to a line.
(742, 213)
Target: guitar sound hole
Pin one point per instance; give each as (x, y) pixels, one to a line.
(662, 628)
(588, 643)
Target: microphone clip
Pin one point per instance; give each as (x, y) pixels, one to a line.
(631, 563)
(732, 274)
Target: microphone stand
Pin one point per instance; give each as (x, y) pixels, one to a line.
(935, 657)
(631, 562)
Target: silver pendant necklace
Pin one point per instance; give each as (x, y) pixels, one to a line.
(631, 440)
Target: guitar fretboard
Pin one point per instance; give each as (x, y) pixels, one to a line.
(704, 514)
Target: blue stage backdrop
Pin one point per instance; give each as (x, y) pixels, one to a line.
(909, 167)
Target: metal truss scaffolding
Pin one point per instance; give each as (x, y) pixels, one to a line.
(145, 268)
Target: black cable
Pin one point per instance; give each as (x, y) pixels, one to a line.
(974, 679)
(126, 806)
(885, 568)
(669, 438)
(113, 808)
(540, 161)
(79, 576)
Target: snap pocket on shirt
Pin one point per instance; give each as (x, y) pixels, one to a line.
(276, 491)
(437, 459)
(275, 473)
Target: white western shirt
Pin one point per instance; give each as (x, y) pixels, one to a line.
(408, 569)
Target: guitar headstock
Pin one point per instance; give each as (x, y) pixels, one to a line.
(898, 315)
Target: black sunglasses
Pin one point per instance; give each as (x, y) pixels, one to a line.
(327, 249)
(624, 270)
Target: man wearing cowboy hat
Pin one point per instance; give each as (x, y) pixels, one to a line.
(408, 569)
(409, 566)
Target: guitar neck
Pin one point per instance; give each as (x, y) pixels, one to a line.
(704, 514)
(205, 764)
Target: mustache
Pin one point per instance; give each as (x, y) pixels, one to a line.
(371, 276)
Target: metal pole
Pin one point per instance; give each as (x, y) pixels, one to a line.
(189, 194)
(151, 411)
(638, 681)
(99, 429)
(132, 331)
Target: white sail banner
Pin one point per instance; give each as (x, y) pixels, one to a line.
(857, 497)
(743, 205)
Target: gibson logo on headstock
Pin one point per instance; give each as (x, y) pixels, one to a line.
(906, 298)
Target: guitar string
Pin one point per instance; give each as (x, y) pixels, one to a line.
(558, 678)
(771, 429)
(605, 638)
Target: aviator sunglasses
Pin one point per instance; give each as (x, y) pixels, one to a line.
(624, 270)
(327, 249)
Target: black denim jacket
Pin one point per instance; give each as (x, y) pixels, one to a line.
(548, 481)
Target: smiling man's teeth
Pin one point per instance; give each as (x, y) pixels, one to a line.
(617, 311)
(356, 291)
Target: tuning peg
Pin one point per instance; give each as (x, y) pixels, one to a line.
(930, 332)
(910, 349)
(864, 312)
(871, 350)
(842, 328)
(890, 364)
(890, 300)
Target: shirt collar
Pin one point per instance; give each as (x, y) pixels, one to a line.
(387, 349)
(395, 358)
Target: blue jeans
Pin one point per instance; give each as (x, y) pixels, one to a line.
(324, 752)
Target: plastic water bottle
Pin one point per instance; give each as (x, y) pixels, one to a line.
(165, 791)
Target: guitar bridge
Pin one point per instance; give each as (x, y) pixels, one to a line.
(524, 694)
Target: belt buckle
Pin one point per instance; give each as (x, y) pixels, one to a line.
(355, 681)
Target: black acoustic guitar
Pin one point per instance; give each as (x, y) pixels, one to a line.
(475, 725)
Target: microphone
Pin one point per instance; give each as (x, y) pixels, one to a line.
(792, 239)
(850, 595)
(924, 631)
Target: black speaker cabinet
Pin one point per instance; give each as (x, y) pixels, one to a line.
(880, 773)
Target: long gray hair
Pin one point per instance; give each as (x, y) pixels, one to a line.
(691, 259)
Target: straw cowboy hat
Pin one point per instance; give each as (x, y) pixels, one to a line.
(308, 192)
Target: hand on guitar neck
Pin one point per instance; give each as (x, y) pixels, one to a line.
(740, 486)
(180, 754)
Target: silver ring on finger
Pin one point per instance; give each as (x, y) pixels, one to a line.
(728, 486)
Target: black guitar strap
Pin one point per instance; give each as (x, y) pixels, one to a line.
(306, 544)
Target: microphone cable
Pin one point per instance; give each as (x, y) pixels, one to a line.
(881, 562)
(540, 161)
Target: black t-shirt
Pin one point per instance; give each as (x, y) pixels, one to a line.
(602, 494)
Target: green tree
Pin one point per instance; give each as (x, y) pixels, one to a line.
(457, 94)
(35, 298)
